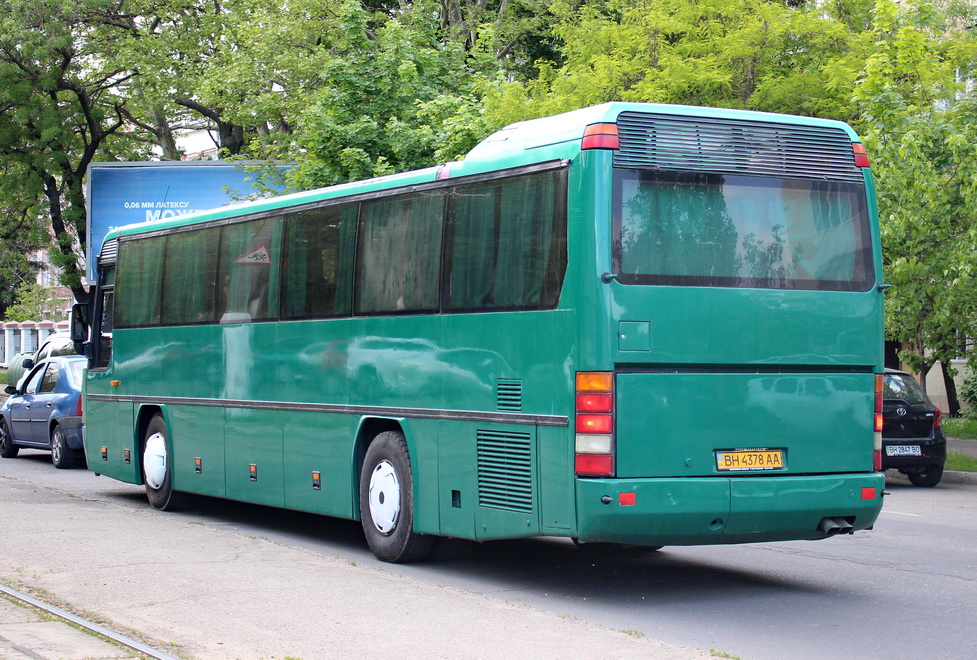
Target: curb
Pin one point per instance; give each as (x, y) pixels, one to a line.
(949, 477)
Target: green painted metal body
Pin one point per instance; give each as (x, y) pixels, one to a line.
(256, 410)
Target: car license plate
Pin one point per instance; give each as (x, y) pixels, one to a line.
(903, 450)
(750, 459)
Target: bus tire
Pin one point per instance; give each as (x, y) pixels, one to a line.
(157, 469)
(387, 501)
(62, 455)
(7, 447)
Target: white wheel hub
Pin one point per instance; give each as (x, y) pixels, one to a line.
(384, 497)
(154, 460)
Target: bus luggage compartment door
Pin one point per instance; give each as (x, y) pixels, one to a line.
(687, 423)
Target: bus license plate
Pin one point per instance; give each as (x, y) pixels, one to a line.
(903, 450)
(754, 459)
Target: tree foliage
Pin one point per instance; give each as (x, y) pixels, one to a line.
(349, 89)
(922, 132)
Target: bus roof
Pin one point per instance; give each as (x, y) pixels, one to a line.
(521, 143)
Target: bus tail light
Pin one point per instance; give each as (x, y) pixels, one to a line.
(877, 453)
(601, 136)
(594, 424)
(861, 156)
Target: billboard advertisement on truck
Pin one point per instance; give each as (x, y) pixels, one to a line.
(122, 194)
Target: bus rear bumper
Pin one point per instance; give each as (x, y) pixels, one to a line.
(708, 510)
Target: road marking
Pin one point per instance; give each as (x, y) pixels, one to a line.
(902, 513)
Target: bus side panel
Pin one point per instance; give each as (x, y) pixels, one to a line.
(108, 425)
(323, 444)
(457, 496)
(488, 482)
(555, 487)
(253, 456)
(422, 443)
(194, 435)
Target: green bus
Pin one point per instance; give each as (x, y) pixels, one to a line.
(627, 324)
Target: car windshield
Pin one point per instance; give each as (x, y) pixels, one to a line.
(904, 388)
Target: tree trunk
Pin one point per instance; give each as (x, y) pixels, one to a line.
(953, 401)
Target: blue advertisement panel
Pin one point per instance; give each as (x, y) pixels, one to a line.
(126, 193)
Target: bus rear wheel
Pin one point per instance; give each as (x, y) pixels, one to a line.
(157, 470)
(387, 501)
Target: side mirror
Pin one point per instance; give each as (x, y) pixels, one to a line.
(10, 389)
(28, 363)
(79, 323)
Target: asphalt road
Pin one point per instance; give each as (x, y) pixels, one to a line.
(902, 590)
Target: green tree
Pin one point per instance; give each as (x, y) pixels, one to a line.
(34, 303)
(21, 231)
(61, 106)
(395, 96)
(922, 134)
(796, 57)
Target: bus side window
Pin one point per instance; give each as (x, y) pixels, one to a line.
(317, 256)
(507, 244)
(189, 274)
(399, 254)
(248, 255)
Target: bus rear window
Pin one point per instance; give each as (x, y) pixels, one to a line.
(703, 229)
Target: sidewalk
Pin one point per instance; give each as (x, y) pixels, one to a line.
(195, 591)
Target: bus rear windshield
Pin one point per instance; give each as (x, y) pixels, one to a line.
(726, 230)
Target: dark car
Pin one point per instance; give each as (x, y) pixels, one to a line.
(44, 411)
(912, 431)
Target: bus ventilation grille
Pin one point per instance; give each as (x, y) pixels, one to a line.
(734, 146)
(109, 253)
(508, 394)
(505, 471)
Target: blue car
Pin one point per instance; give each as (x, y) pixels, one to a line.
(44, 411)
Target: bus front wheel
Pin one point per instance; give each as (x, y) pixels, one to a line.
(387, 501)
(157, 471)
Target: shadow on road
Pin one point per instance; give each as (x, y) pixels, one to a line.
(554, 567)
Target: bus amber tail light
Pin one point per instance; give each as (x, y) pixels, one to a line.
(594, 424)
(877, 453)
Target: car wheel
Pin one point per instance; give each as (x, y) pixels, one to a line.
(387, 501)
(62, 455)
(928, 478)
(7, 447)
(157, 470)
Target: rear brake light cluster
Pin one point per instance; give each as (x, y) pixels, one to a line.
(877, 453)
(938, 419)
(861, 157)
(601, 136)
(594, 424)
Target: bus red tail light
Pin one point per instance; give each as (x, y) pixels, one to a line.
(877, 453)
(861, 157)
(594, 424)
(601, 136)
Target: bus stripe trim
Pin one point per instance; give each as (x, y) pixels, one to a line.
(344, 409)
